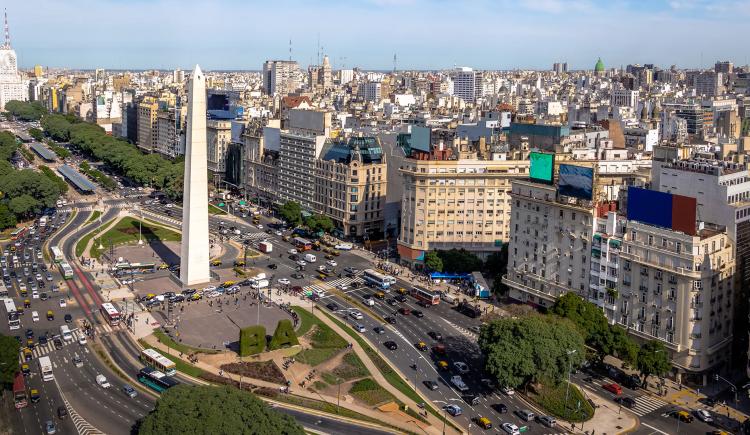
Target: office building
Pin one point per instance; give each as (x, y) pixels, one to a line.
(466, 84)
(724, 67)
(370, 91)
(147, 132)
(280, 77)
(169, 137)
(709, 84)
(624, 98)
(218, 138)
(560, 67)
(12, 85)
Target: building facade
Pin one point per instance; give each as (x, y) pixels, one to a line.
(148, 110)
(218, 137)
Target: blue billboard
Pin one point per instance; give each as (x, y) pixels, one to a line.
(576, 181)
(650, 207)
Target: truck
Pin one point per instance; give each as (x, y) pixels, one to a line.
(310, 258)
(42, 221)
(265, 247)
(259, 284)
(458, 382)
(468, 309)
(45, 368)
(448, 298)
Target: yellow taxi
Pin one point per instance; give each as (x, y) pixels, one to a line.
(442, 365)
(35, 396)
(163, 266)
(26, 303)
(402, 291)
(24, 292)
(196, 296)
(25, 369)
(239, 263)
(27, 355)
(216, 262)
(422, 346)
(50, 315)
(228, 283)
(484, 423)
(30, 343)
(20, 311)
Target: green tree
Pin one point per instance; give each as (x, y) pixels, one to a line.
(318, 223)
(460, 261)
(61, 184)
(8, 145)
(291, 212)
(215, 410)
(9, 349)
(534, 348)
(36, 134)
(589, 319)
(252, 340)
(653, 359)
(284, 336)
(7, 218)
(24, 205)
(25, 111)
(625, 348)
(57, 127)
(433, 262)
(497, 262)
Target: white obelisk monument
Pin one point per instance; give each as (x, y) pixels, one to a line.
(194, 255)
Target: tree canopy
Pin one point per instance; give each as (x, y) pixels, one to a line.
(9, 348)
(653, 359)
(215, 410)
(319, 222)
(25, 111)
(535, 348)
(291, 212)
(433, 262)
(460, 261)
(36, 134)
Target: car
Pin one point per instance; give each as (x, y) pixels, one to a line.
(43, 340)
(284, 281)
(332, 263)
(298, 275)
(35, 294)
(62, 413)
(301, 263)
(461, 367)
(704, 416)
(50, 428)
(188, 292)
(453, 410)
(471, 399)
(379, 330)
(332, 306)
(547, 420)
(29, 333)
(422, 346)
(63, 304)
(404, 311)
(500, 408)
(359, 327)
(82, 340)
(57, 342)
(417, 313)
(475, 329)
(44, 296)
(510, 429)
(431, 385)
(508, 391)
(68, 318)
(77, 361)
(350, 269)
(390, 320)
(391, 345)
(392, 302)
(681, 415)
(129, 391)
(356, 315)
(483, 422)
(273, 266)
(435, 335)
(627, 402)
(400, 298)
(50, 315)
(613, 388)
(343, 287)
(487, 383)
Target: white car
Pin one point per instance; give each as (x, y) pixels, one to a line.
(35, 294)
(511, 429)
(704, 416)
(209, 288)
(82, 340)
(292, 251)
(260, 227)
(332, 263)
(170, 205)
(213, 294)
(343, 287)
(279, 233)
(356, 315)
(302, 263)
(284, 281)
(63, 304)
(461, 367)
(508, 391)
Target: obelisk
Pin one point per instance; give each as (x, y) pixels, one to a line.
(194, 267)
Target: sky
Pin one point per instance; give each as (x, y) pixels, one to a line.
(424, 34)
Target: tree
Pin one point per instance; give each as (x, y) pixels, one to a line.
(318, 223)
(25, 111)
(291, 212)
(215, 410)
(7, 218)
(252, 340)
(24, 205)
(433, 262)
(284, 336)
(535, 348)
(460, 261)
(653, 359)
(9, 348)
(497, 262)
(36, 134)
(589, 319)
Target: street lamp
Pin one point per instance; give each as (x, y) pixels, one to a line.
(570, 369)
(445, 415)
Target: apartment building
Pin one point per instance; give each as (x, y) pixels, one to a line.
(550, 244)
(280, 77)
(148, 110)
(261, 144)
(169, 126)
(218, 138)
(678, 288)
(351, 179)
(455, 203)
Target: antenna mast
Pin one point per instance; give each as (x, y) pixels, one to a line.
(7, 30)
(290, 50)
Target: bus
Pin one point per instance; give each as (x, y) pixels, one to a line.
(157, 361)
(45, 368)
(66, 270)
(121, 269)
(19, 391)
(156, 380)
(57, 254)
(14, 319)
(425, 297)
(302, 244)
(381, 281)
(17, 234)
(110, 313)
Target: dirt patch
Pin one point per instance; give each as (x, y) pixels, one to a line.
(266, 371)
(129, 231)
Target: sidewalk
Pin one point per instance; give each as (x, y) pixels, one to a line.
(608, 417)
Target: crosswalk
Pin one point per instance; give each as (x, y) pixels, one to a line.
(91, 207)
(41, 350)
(646, 404)
(328, 285)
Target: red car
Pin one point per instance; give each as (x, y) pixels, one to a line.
(613, 388)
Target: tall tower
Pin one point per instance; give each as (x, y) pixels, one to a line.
(194, 255)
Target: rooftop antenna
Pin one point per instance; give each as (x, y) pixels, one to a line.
(7, 30)
(318, 48)
(290, 50)
(394, 62)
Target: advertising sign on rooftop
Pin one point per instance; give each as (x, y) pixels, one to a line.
(542, 167)
(576, 181)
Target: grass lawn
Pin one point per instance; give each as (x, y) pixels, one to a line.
(179, 347)
(81, 245)
(325, 343)
(180, 365)
(370, 392)
(350, 368)
(212, 209)
(94, 216)
(127, 231)
(552, 399)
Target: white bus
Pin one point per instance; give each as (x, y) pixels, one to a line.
(66, 270)
(110, 313)
(155, 360)
(14, 319)
(45, 368)
(57, 254)
(381, 281)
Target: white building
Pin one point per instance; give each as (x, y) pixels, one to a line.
(11, 83)
(624, 97)
(370, 91)
(346, 76)
(465, 83)
(280, 77)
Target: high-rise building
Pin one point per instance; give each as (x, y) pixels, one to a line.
(218, 138)
(11, 82)
(346, 76)
(709, 84)
(38, 71)
(724, 67)
(280, 77)
(560, 67)
(147, 132)
(169, 128)
(465, 84)
(370, 91)
(624, 98)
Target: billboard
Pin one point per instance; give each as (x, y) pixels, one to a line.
(662, 209)
(576, 181)
(421, 138)
(542, 167)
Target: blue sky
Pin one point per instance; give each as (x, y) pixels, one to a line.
(425, 34)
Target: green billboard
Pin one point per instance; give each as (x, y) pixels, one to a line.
(542, 167)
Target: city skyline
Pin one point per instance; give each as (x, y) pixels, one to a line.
(240, 37)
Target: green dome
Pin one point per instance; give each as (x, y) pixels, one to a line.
(599, 66)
